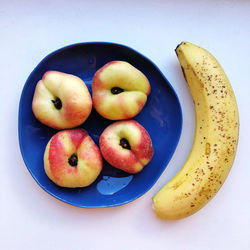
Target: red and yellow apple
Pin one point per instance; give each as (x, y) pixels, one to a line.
(126, 145)
(72, 159)
(61, 100)
(119, 90)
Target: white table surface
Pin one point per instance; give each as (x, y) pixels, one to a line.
(29, 30)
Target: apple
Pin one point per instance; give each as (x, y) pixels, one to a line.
(72, 159)
(119, 90)
(126, 145)
(61, 100)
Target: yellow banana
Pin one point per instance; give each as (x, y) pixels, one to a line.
(215, 141)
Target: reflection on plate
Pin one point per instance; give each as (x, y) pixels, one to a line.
(161, 116)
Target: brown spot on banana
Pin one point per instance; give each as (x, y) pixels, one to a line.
(208, 150)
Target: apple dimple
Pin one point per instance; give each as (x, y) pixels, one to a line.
(116, 90)
(57, 103)
(125, 144)
(77, 136)
(73, 159)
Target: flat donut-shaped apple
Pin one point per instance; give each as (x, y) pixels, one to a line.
(61, 100)
(72, 159)
(126, 145)
(119, 90)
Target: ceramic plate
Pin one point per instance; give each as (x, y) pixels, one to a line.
(161, 116)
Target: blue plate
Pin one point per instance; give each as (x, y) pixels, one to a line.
(161, 117)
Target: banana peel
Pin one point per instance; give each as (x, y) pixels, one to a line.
(215, 141)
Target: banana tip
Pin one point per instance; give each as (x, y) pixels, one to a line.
(179, 45)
